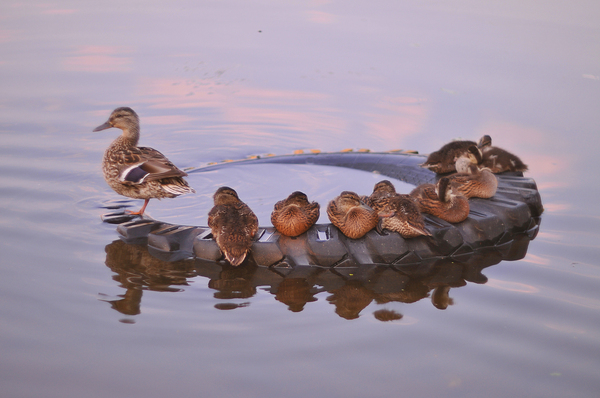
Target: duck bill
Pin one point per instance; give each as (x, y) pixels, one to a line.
(385, 215)
(103, 127)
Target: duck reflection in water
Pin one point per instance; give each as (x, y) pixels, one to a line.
(137, 270)
(295, 293)
(350, 292)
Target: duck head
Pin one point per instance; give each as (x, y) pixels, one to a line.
(225, 196)
(485, 141)
(125, 119)
(297, 198)
(384, 186)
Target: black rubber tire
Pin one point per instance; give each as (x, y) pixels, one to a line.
(512, 215)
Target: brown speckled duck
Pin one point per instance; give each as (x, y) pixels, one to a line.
(138, 172)
(441, 201)
(351, 216)
(442, 160)
(233, 225)
(397, 212)
(295, 214)
(382, 190)
(497, 159)
(400, 214)
(472, 182)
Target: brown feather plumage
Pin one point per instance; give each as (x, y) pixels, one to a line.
(400, 214)
(397, 212)
(295, 214)
(233, 225)
(156, 176)
(351, 216)
(442, 160)
(441, 201)
(472, 182)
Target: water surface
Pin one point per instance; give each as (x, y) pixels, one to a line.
(84, 314)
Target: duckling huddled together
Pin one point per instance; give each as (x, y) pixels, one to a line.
(145, 173)
(497, 160)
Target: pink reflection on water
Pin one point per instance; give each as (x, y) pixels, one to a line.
(556, 207)
(512, 286)
(99, 59)
(166, 120)
(256, 112)
(541, 156)
(247, 109)
(5, 36)
(58, 11)
(533, 259)
(321, 17)
(401, 117)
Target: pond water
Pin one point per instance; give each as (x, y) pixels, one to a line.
(84, 314)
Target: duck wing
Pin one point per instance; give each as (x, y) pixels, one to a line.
(139, 165)
(248, 219)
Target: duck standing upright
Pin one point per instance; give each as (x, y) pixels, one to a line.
(138, 172)
(295, 214)
(233, 225)
(351, 216)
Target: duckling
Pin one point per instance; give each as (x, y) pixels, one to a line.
(441, 201)
(497, 159)
(400, 214)
(295, 214)
(138, 172)
(233, 225)
(442, 160)
(383, 189)
(351, 216)
(397, 212)
(472, 182)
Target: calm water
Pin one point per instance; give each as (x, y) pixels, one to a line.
(83, 314)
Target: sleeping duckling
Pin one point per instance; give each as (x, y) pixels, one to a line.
(400, 214)
(442, 160)
(383, 189)
(351, 216)
(233, 225)
(441, 201)
(472, 182)
(295, 214)
(498, 160)
(138, 172)
(397, 212)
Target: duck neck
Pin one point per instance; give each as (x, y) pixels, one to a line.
(131, 134)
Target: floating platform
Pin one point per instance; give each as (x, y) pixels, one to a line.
(505, 222)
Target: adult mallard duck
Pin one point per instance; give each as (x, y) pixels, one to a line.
(442, 160)
(233, 225)
(138, 172)
(472, 182)
(497, 159)
(351, 216)
(441, 201)
(295, 214)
